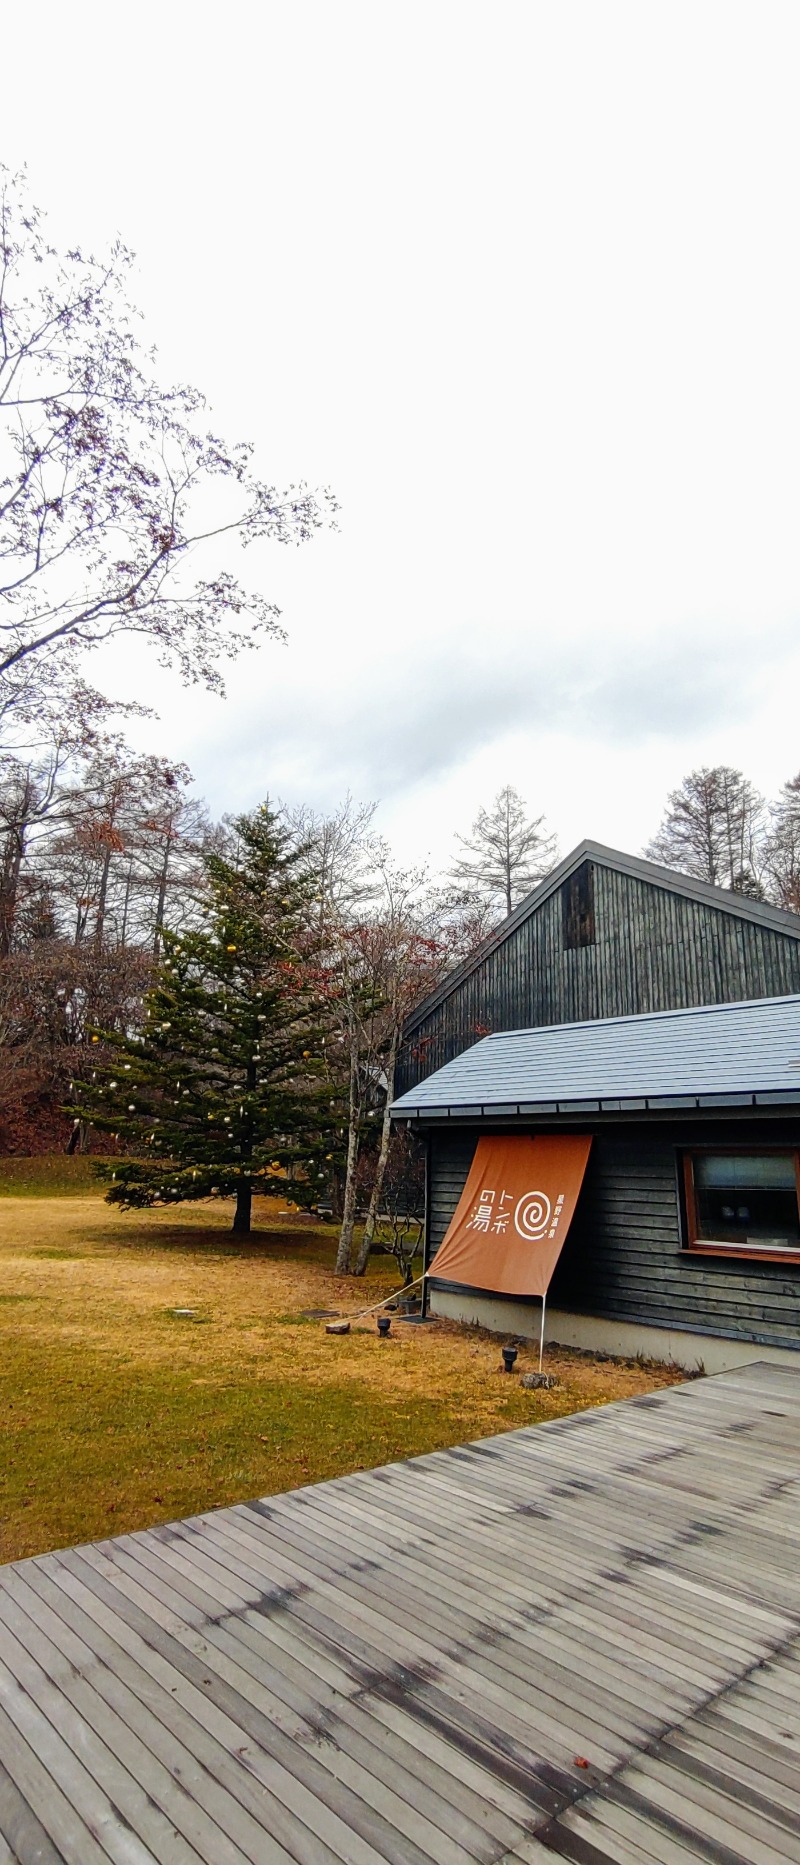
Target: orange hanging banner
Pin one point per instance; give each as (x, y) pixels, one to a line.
(514, 1213)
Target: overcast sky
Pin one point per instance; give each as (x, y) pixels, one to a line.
(521, 282)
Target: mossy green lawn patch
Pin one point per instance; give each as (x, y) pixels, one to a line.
(93, 1444)
(56, 1175)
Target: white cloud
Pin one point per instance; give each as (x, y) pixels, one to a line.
(523, 284)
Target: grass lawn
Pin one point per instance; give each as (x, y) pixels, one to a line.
(115, 1412)
(53, 1176)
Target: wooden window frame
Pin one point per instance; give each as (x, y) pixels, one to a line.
(699, 1246)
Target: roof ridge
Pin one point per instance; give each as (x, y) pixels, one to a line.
(639, 1016)
(670, 880)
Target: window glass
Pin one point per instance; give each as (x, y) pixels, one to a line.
(725, 1169)
(749, 1199)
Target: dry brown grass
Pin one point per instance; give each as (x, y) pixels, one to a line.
(116, 1412)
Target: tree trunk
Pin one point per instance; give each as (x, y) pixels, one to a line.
(126, 905)
(162, 897)
(9, 890)
(349, 1201)
(12, 868)
(244, 1205)
(508, 860)
(337, 1195)
(100, 919)
(380, 1169)
(244, 1189)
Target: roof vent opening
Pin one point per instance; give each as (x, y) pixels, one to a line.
(577, 908)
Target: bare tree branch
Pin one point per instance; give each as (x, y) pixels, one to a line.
(505, 855)
(112, 484)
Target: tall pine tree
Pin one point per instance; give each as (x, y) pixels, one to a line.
(223, 1094)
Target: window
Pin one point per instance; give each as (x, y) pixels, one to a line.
(577, 908)
(740, 1202)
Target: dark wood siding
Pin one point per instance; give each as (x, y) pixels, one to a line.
(652, 950)
(451, 1158)
(624, 1260)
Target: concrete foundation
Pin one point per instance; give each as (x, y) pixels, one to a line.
(594, 1333)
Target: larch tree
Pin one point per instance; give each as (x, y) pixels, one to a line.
(224, 1094)
(173, 832)
(129, 847)
(100, 807)
(100, 848)
(49, 990)
(783, 847)
(506, 853)
(714, 827)
(28, 794)
(37, 757)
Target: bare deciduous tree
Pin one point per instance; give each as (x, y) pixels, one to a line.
(111, 484)
(408, 960)
(51, 995)
(98, 854)
(506, 853)
(714, 827)
(173, 834)
(400, 1224)
(783, 847)
(376, 936)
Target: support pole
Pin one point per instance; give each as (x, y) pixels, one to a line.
(541, 1335)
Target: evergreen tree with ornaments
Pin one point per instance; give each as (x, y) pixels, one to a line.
(224, 1092)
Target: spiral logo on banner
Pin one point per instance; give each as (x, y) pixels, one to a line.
(532, 1216)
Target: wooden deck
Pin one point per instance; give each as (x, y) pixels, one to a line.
(578, 1641)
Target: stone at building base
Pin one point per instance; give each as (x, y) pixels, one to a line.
(710, 1353)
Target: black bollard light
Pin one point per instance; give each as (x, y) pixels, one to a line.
(509, 1356)
(384, 1324)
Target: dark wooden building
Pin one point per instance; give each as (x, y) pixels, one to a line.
(682, 1109)
(606, 935)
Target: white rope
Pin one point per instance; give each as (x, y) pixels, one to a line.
(387, 1298)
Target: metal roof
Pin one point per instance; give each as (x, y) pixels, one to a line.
(758, 912)
(722, 1055)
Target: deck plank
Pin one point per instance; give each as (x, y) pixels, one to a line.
(577, 1641)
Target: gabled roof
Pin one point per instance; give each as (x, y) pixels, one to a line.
(722, 1055)
(757, 912)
